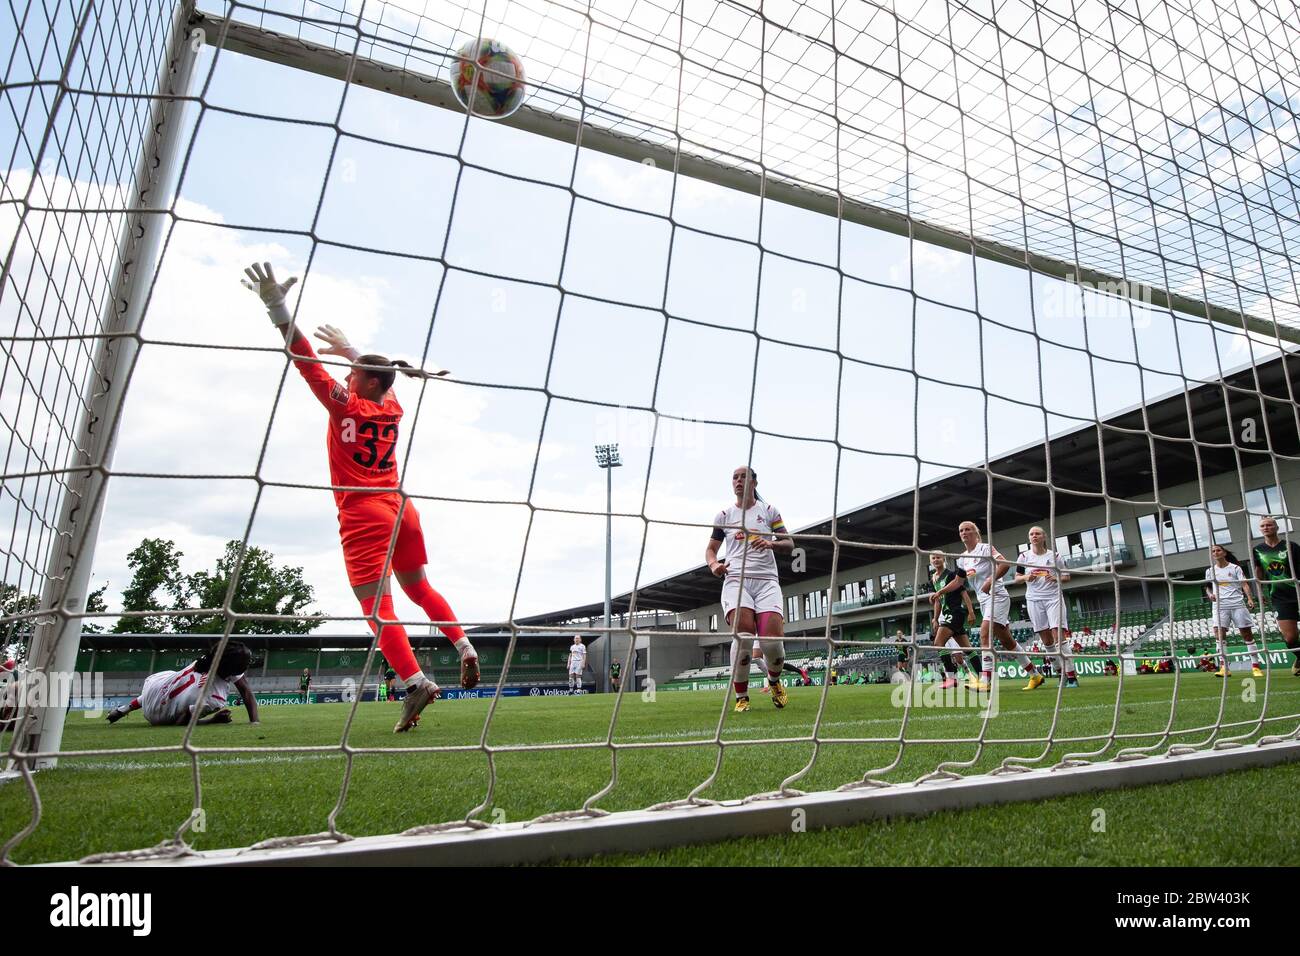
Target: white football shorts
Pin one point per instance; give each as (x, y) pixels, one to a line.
(1230, 617)
(1047, 615)
(761, 595)
(996, 607)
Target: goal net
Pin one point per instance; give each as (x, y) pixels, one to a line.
(916, 263)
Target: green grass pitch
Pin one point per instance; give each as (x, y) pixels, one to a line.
(115, 801)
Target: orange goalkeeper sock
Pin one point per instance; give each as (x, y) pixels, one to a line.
(393, 642)
(436, 607)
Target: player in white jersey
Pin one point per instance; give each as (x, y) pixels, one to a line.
(1040, 570)
(169, 698)
(1228, 588)
(753, 532)
(984, 568)
(577, 663)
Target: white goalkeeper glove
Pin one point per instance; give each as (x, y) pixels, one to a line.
(337, 343)
(262, 281)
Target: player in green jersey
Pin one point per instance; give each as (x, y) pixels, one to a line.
(1276, 564)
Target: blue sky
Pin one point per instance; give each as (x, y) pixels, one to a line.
(682, 337)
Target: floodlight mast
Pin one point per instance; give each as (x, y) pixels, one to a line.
(607, 458)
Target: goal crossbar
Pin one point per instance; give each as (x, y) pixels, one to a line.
(579, 835)
(287, 50)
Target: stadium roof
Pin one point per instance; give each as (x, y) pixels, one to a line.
(1142, 447)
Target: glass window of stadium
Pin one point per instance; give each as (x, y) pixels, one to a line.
(1090, 541)
(1185, 529)
(887, 581)
(1266, 501)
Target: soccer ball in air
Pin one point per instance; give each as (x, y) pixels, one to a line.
(488, 78)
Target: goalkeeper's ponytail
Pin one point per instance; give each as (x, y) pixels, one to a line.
(409, 370)
(387, 369)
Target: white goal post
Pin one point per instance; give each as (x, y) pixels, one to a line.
(57, 635)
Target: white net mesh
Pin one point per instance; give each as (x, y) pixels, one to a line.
(77, 82)
(1154, 144)
(941, 171)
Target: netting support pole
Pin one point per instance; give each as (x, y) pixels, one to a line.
(57, 638)
(603, 683)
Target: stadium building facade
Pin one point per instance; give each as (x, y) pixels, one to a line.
(1130, 569)
(1135, 501)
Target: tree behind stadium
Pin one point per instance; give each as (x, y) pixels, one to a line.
(158, 584)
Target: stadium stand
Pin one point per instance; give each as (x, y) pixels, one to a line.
(277, 669)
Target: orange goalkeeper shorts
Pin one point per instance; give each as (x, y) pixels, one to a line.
(367, 525)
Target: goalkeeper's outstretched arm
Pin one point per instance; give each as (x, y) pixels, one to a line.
(261, 279)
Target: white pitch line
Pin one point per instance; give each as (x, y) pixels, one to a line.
(705, 735)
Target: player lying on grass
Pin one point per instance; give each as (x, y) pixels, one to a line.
(373, 513)
(10, 680)
(1227, 587)
(170, 697)
(753, 531)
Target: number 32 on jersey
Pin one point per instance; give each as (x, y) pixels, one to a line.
(372, 434)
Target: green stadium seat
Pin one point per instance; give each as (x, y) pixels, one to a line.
(124, 661)
(294, 660)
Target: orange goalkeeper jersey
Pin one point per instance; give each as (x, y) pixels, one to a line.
(362, 435)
